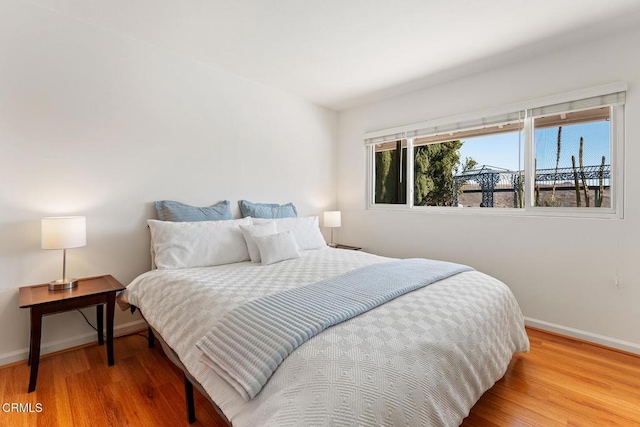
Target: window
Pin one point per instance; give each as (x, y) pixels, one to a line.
(476, 168)
(558, 156)
(390, 169)
(573, 159)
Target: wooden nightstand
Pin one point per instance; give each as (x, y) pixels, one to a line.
(90, 291)
(351, 248)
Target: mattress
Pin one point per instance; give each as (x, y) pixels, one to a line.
(421, 359)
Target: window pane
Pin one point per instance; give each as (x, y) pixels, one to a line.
(481, 169)
(390, 173)
(573, 159)
(435, 166)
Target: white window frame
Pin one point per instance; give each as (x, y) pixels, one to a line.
(491, 117)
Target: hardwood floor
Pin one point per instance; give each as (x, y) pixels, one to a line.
(559, 382)
(563, 382)
(77, 388)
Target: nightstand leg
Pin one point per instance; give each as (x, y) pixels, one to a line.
(100, 322)
(30, 339)
(36, 333)
(111, 305)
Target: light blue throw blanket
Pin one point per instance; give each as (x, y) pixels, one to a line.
(249, 343)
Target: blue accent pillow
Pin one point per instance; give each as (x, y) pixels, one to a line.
(168, 210)
(267, 210)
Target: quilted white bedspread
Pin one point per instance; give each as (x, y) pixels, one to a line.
(421, 359)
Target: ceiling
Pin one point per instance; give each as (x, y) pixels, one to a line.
(343, 53)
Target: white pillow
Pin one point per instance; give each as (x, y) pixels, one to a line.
(198, 244)
(277, 247)
(251, 231)
(305, 230)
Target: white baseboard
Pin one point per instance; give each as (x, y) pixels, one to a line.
(50, 347)
(583, 335)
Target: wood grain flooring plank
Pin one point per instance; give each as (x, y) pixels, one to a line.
(16, 380)
(52, 392)
(86, 406)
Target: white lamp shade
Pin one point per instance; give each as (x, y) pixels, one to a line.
(64, 232)
(332, 219)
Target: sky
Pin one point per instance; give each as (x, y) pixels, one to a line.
(501, 150)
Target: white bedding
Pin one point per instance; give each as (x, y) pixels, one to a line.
(422, 359)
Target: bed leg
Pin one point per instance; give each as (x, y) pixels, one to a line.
(150, 337)
(188, 392)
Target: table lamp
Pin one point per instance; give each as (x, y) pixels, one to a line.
(64, 233)
(332, 219)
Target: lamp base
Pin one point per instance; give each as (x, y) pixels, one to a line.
(60, 284)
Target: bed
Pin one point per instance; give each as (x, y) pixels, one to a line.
(423, 358)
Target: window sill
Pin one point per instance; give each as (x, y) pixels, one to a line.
(574, 213)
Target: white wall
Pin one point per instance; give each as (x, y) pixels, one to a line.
(98, 124)
(561, 270)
